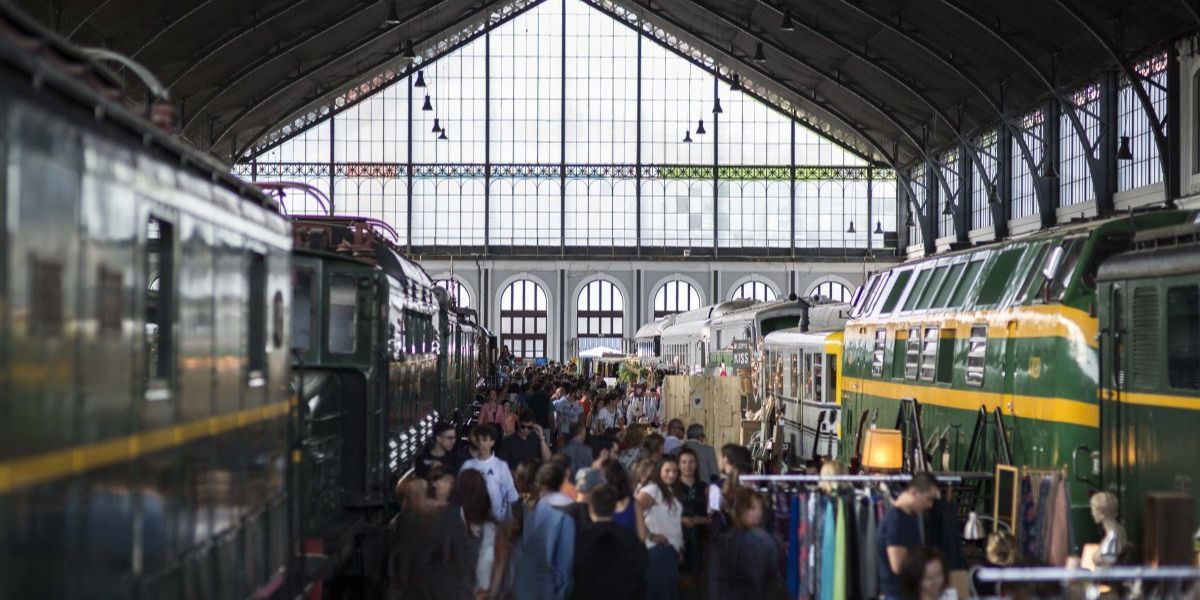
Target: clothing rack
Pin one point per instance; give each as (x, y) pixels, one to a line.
(1057, 575)
(941, 477)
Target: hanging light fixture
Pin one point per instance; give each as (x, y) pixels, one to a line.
(437, 128)
(759, 56)
(420, 82)
(786, 25)
(736, 86)
(850, 229)
(700, 128)
(993, 197)
(428, 104)
(393, 17)
(409, 53)
(717, 106)
(1124, 152)
(687, 137)
(948, 209)
(908, 220)
(878, 227)
(1048, 169)
(443, 135)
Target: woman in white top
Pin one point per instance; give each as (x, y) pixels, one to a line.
(604, 416)
(660, 526)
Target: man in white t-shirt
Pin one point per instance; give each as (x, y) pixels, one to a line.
(501, 489)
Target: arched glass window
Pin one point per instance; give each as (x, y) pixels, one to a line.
(523, 319)
(754, 290)
(600, 312)
(834, 291)
(458, 292)
(675, 297)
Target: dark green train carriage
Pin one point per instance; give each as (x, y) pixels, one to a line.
(1009, 326)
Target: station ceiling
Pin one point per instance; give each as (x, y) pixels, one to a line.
(900, 77)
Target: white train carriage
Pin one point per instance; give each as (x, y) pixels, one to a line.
(801, 368)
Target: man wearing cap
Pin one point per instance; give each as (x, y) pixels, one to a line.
(587, 480)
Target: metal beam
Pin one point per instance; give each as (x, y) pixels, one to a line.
(810, 98)
(1135, 81)
(86, 18)
(234, 36)
(167, 27)
(878, 64)
(853, 90)
(346, 83)
(238, 78)
(329, 61)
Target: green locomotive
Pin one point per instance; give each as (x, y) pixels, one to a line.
(1013, 326)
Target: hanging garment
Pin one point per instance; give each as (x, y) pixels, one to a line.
(839, 551)
(868, 567)
(802, 534)
(1059, 540)
(808, 576)
(1037, 543)
(828, 550)
(853, 540)
(942, 531)
(815, 544)
(1028, 515)
(793, 548)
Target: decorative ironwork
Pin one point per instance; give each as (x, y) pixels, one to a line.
(677, 172)
(527, 170)
(271, 170)
(372, 170)
(373, 82)
(450, 170)
(601, 171)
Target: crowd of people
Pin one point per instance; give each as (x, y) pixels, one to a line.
(565, 487)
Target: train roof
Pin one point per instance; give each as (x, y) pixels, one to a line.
(1162, 252)
(794, 336)
(55, 64)
(655, 328)
(759, 309)
(695, 329)
(357, 240)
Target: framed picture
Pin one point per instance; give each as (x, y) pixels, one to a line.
(1006, 488)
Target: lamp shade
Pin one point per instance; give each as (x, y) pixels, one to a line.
(883, 449)
(974, 529)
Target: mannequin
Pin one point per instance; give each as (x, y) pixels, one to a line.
(1105, 508)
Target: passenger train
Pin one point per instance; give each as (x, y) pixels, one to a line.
(184, 414)
(1085, 337)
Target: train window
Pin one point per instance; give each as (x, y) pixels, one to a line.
(929, 348)
(160, 300)
(965, 283)
(818, 381)
(976, 352)
(1144, 335)
(917, 290)
(795, 383)
(996, 281)
(912, 356)
(943, 295)
(46, 299)
(877, 293)
(110, 301)
(945, 356)
(935, 282)
(1183, 337)
(304, 308)
(343, 313)
(898, 350)
(897, 288)
(1034, 270)
(256, 317)
(1053, 289)
(877, 353)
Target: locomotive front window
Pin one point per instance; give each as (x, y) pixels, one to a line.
(1054, 289)
(304, 308)
(1183, 337)
(343, 316)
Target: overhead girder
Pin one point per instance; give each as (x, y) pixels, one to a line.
(889, 157)
(169, 26)
(234, 36)
(297, 43)
(852, 89)
(324, 64)
(878, 64)
(1069, 109)
(1135, 82)
(86, 18)
(380, 64)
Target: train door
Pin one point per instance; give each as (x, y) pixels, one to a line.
(1009, 368)
(1112, 385)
